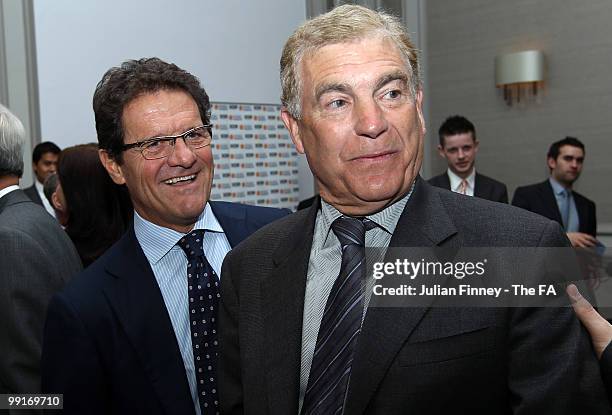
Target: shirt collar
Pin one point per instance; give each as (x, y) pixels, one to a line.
(39, 186)
(386, 219)
(157, 241)
(557, 187)
(8, 189)
(455, 180)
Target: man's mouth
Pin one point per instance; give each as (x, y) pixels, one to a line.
(180, 179)
(375, 156)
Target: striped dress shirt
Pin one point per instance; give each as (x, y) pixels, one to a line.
(169, 264)
(324, 267)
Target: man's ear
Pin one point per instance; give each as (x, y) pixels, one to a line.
(476, 143)
(57, 203)
(294, 129)
(551, 162)
(441, 151)
(112, 167)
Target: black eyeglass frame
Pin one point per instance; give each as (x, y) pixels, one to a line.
(142, 144)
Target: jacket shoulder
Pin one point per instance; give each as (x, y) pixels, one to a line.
(490, 180)
(261, 214)
(530, 188)
(270, 236)
(584, 198)
(437, 180)
(498, 224)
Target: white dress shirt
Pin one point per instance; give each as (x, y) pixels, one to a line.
(455, 182)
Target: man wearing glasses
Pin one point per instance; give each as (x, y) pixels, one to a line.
(137, 332)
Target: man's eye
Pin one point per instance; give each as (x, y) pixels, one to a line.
(153, 145)
(337, 103)
(393, 94)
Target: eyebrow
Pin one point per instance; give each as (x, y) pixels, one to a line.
(331, 87)
(393, 76)
(345, 88)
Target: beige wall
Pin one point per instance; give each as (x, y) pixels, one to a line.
(463, 38)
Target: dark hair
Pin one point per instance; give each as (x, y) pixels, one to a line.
(44, 148)
(553, 151)
(133, 78)
(454, 125)
(49, 187)
(99, 211)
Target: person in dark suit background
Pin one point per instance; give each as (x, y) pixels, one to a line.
(459, 146)
(44, 164)
(555, 199)
(37, 260)
(136, 332)
(296, 333)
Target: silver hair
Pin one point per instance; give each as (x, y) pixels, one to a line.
(12, 139)
(343, 24)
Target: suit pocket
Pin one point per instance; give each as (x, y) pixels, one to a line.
(448, 348)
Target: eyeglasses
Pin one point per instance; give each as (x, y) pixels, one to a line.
(160, 147)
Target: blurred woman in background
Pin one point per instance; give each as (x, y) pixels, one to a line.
(94, 211)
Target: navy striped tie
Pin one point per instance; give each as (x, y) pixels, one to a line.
(341, 323)
(203, 285)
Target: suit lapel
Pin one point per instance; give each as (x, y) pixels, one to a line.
(137, 300)
(550, 201)
(424, 223)
(282, 297)
(583, 212)
(446, 181)
(481, 189)
(232, 219)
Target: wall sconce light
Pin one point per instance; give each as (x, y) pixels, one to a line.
(518, 73)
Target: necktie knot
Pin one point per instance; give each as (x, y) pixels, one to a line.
(463, 186)
(351, 231)
(192, 244)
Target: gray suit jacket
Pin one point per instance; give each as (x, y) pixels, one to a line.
(425, 360)
(32, 193)
(38, 258)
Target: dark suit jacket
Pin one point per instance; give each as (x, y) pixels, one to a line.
(306, 203)
(109, 345)
(37, 259)
(539, 198)
(32, 193)
(606, 369)
(484, 187)
(427, 360)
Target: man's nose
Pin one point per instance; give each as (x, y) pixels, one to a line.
(182, 154)
(370, 118)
